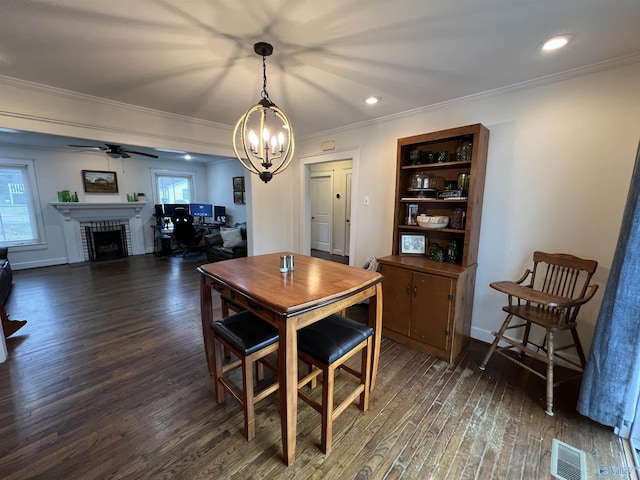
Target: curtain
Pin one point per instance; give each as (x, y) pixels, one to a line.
(611, 383)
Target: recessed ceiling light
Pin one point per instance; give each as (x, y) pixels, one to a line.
(556, 42)
(372, 100)
(187, 157)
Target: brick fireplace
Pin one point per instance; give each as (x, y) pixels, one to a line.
(118, 226)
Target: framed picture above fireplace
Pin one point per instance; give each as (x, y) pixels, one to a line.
(97, 181)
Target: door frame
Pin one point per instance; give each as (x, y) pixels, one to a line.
(352, 154)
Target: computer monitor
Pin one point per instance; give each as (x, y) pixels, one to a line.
(159, 210)
(170, 208)
(219, 211)
(201, 209)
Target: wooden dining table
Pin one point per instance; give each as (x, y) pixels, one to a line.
(290, 301)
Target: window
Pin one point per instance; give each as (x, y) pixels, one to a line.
(20, 221)
(173, 187)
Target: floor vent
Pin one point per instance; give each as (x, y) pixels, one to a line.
(567, 462)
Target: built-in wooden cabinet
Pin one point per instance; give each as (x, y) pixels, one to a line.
(427, 303)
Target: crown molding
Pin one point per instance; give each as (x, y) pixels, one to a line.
(610, 64)
(61, 92)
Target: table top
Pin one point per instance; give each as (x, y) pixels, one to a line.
(313, 281)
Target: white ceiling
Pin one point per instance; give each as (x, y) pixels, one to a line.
(195, 58)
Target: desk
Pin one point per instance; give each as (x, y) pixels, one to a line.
(164, 242)
(289, 301)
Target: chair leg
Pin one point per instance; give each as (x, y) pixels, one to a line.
(217, 369)
(327, 409)
(365, 376)
(498, 335)
(525, 339)
(578, 345)
(550, 362)
(249, 412)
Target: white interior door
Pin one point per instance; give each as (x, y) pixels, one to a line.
(347, 226)
(321, 212)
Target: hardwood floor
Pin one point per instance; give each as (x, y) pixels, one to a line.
(108, 380)
(329, 256)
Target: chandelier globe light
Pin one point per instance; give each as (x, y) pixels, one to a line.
(263, 137)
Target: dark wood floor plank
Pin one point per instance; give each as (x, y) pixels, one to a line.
(108, 379)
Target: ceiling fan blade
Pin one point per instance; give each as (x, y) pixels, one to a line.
(89, 147)
(139, 153)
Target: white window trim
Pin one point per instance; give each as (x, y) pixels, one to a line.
(41, 243)
(156, 172)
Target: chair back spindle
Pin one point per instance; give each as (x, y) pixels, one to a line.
(564, 276)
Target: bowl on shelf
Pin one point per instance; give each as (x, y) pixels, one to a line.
(433, 221)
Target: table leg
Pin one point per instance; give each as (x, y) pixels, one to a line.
(375, 322)
(206, 314)
(288, 378)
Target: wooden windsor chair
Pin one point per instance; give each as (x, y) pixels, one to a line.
(557, 286)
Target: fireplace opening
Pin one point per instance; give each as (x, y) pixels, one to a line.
(106, 241)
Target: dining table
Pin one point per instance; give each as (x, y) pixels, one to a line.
(291, 300)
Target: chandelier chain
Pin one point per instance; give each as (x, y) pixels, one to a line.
(265, 94)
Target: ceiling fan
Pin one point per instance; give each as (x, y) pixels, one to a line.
(115, 151)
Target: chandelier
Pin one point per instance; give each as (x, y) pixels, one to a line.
(264, 134)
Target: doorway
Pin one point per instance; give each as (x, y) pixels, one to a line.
(330, 201)
(319, 163)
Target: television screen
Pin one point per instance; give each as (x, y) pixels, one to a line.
(201, 209)
(218, 211)
(170, 208)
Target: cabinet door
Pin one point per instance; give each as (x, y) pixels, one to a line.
(396, 294)
(431, 308)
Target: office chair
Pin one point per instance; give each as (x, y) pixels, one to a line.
(184, 233)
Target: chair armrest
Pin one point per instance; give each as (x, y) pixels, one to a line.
(528, 294)
(524, 276)
(241, 245)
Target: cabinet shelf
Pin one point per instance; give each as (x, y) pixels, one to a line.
(438, 166)
(433, 200)
(418, 228)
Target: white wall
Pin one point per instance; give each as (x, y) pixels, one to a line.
(219, 175)
(559, 166)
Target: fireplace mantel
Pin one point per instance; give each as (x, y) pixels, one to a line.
(75, 213)
(83, 212)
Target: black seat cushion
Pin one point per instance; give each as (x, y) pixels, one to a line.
(330, 338)
(245, 332)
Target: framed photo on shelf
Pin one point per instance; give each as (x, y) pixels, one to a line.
(238, 184)
(97, 181)
(413, 243)
(238, 197)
